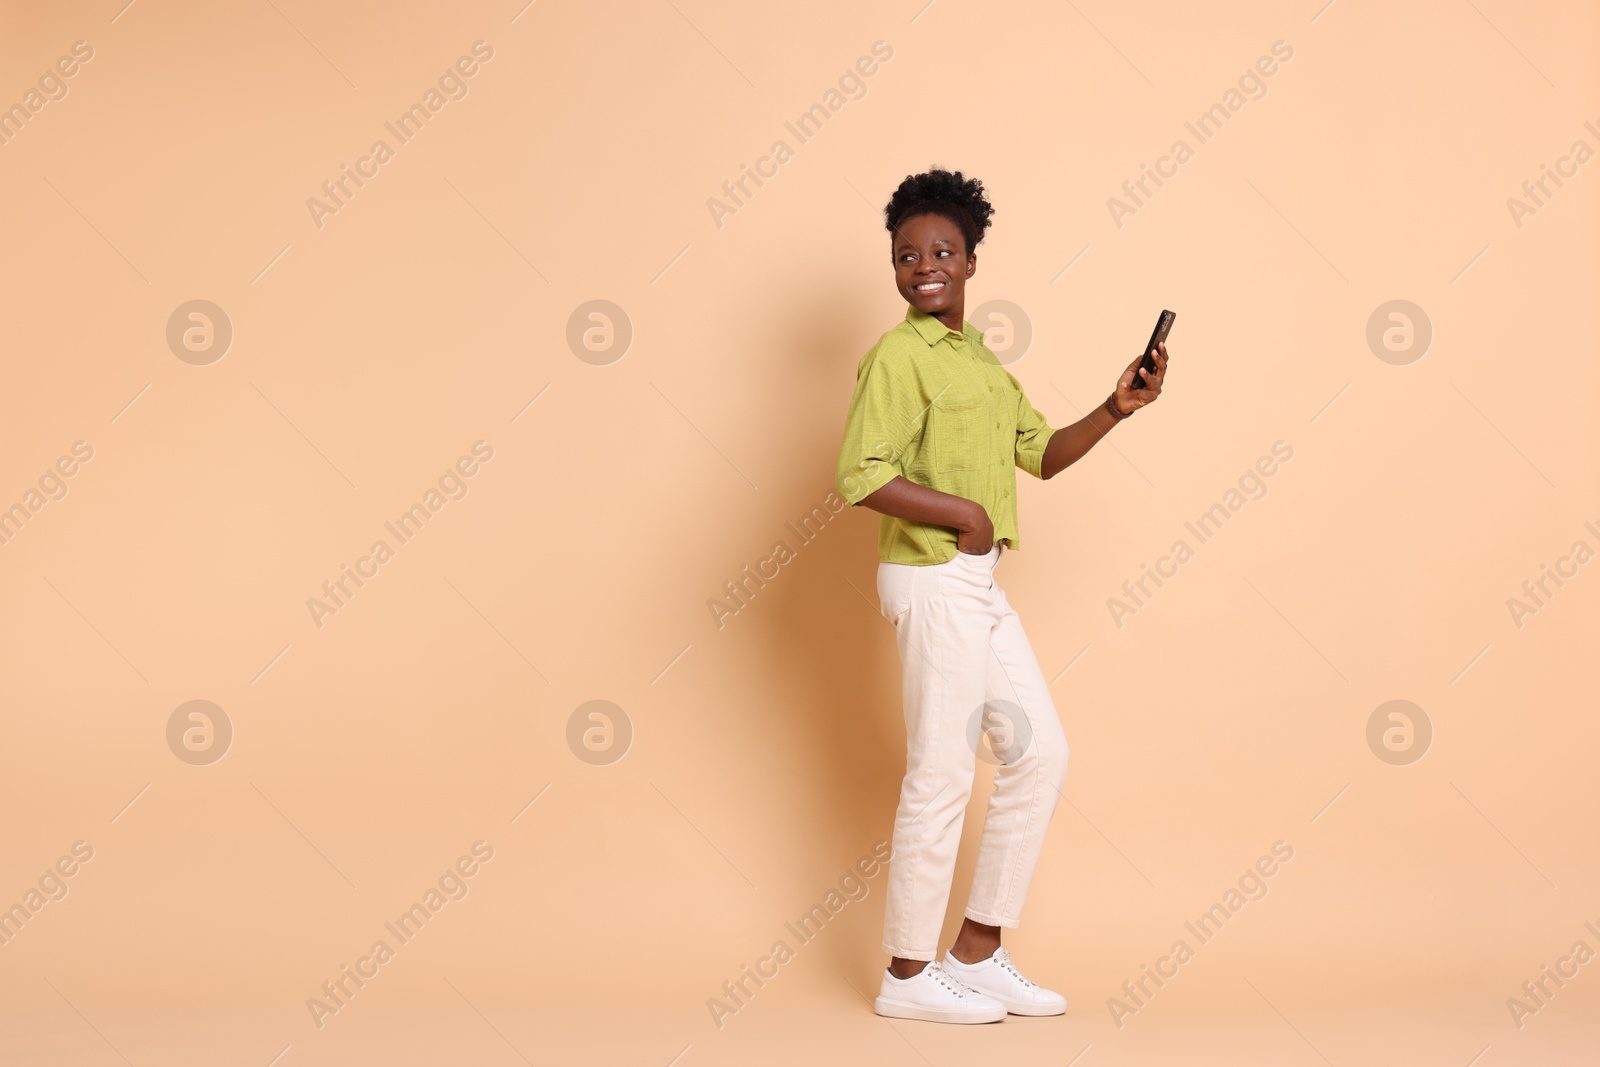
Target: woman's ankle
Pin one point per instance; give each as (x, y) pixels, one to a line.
(904, 968)
(976, 941)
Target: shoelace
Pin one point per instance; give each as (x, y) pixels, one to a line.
(934, 971)
(1003, 958)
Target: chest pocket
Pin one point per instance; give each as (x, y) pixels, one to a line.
(961, 424)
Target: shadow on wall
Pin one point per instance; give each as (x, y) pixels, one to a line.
(815, 624)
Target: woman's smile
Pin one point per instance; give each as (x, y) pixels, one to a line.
(932, 265)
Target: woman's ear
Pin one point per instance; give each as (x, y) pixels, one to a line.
(972, 264)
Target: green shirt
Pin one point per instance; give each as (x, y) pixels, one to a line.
(935, 406)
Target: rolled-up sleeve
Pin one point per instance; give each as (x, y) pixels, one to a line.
(1033, 434)
(877, 429)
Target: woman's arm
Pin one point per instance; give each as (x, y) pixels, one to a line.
(1070, 443)
(902, 499)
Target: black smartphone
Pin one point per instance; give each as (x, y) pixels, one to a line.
(1147, 369)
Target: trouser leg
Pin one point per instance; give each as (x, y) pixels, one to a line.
(1027, 784)
(942, 621)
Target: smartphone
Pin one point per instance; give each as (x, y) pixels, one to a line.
(1147, 369)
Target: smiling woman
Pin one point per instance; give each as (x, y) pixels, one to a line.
(935, 433)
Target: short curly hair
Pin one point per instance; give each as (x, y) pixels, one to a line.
(941, 192)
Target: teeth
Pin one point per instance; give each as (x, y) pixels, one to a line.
(929, 286)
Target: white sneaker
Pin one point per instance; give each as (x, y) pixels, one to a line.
(998, 978)
(933, 996)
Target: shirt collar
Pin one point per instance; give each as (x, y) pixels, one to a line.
(931, 330)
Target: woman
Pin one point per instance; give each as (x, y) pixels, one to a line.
(936, 430)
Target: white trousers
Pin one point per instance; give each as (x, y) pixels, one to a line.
(967, 666)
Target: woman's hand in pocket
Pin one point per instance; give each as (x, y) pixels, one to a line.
(976, 534)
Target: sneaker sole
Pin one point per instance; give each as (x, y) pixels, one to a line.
(895, 1009)
(1031, 1009)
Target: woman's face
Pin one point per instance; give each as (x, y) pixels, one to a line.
(932, 265)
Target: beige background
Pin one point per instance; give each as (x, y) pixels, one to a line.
(431, 310)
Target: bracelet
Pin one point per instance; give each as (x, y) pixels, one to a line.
(1111, 406)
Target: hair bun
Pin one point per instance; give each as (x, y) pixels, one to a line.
(941, 192)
